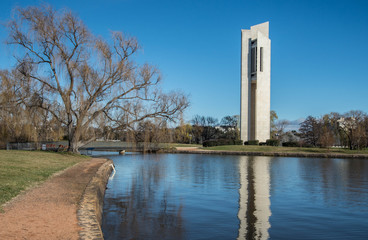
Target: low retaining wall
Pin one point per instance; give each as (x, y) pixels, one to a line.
(90, 209)
(275, 154)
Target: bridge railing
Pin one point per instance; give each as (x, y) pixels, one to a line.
(96, 146)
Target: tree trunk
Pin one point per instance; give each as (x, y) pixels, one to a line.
(74, 148)
(73, 137)
(74, 140)
(74, 143)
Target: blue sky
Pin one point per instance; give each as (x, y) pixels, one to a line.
(319, 48)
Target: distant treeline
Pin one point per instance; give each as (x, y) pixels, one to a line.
(335, 129)
(24, 124)
(350, 130)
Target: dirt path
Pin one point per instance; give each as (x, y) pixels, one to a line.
(188, 148)
(49, 210)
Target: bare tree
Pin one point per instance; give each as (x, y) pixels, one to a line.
(199, 120)
(229, 122)
(211, 121)
(230, 126)
(353, 126)
(78, 77)
(326, 138)
(310, 131)
(280, 128)
(22, 122)
(198, 123)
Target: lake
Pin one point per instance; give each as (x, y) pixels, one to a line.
(193, 196)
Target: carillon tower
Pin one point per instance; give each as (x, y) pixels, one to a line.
(255, 83)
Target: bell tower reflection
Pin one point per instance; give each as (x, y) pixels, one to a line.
(254, 197)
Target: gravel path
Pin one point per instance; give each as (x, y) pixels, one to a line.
(49, 211)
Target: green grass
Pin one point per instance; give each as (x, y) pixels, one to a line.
(251, 148)
(20, 170)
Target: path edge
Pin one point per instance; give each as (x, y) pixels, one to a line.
(90, 208)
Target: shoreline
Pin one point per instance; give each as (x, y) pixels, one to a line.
(191, 150)
(90, 207)
(66, 206)
(89, 192)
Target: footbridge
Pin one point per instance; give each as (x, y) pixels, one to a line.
(116, 146)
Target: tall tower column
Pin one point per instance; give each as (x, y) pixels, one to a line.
(255, 83)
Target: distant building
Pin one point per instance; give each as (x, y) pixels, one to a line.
(255, 83)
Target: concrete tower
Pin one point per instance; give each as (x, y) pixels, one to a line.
(255, 83)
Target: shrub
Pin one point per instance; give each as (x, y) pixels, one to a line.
(307, 145)
(216, 142)
(209, 143)
(251, 142)
(262, 144)
(273, 142)
(238, 142)
(290, 144)
(220, 142)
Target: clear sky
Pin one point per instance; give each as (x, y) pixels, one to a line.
(319, 59)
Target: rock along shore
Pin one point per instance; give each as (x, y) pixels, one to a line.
(91, 206)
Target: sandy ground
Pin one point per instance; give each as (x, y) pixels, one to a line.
(188, 149)
(49, 211)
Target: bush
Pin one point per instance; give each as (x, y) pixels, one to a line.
(290, 144)
(273, 142)
(262, 144)
(251, 142)
(209, 143)
(220, 142)
(238, 142)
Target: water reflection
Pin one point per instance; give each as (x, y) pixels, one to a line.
(168, 196)
(254, 198)
(336, 180)
(144, 210)
(319, 198)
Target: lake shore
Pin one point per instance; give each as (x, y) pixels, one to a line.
(197, 150)
(49, 210)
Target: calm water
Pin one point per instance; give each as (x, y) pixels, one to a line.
(173, 196)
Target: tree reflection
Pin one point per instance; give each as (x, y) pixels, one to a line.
(337, 180)
(144, 210)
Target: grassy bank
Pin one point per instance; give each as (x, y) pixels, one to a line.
(23, 169)
(251, 148)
